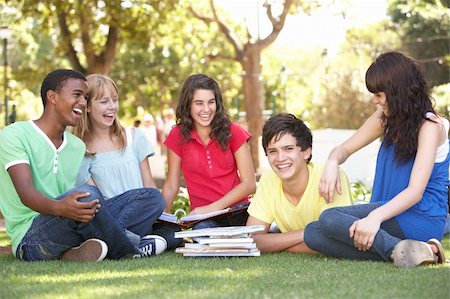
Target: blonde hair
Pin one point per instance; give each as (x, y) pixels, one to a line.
(97, 85)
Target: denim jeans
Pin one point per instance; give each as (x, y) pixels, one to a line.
(238, 218)
(134, 211)
(330, 235)
(167, 231)
(137, 210)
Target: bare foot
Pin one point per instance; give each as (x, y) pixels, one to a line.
(434, 248)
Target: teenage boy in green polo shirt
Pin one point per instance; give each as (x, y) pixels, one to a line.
(39, 163)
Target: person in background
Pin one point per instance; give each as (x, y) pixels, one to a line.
(288, 194)
(169, 121)
(116, 161)
(211, 151)
(149, 129)
(405, 218)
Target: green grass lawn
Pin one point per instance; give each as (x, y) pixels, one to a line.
(169, 275)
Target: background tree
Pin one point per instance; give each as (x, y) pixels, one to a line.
(424, 27)
(150, 69)
(89, 31)
(159, 45)
(342, 99)
(247, 51)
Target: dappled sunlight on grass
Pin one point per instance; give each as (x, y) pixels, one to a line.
(107, 278)
(4, 239)
(281, 275)
(171, 276)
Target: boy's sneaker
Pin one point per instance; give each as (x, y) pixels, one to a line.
(151, 245)
(92, 250)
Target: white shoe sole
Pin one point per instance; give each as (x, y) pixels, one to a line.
(411, 253)
(92, 250)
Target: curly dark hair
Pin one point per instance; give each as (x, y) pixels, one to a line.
(56, 79)
(408, 99)
(220, 125)
(278, 125)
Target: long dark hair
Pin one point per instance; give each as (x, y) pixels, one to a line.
(220, 125)
(408, 100)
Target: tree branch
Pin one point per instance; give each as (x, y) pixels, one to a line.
(277, 24)
(85, 35)
(222, 27)
(221, 56)
(109, 51)
(432, 59)
(67, 42)
(427, 39)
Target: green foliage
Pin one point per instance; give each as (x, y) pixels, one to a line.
(344, 105)
(340, 98)
(360, 192)
(423, 26)
(441, 95)
(161, 43)
(180, 205)
(150, 69)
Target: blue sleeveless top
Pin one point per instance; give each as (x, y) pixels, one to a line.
(426, 219)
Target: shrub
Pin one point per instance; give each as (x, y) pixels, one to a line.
(180, 205)
(360, 192)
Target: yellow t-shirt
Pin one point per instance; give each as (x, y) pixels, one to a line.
(269, 203)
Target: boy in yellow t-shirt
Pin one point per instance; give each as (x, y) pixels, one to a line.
(288, 194)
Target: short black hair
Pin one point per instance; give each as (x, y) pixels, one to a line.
(283, 123)
(56, 79)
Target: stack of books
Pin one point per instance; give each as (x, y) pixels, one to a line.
(220, 241)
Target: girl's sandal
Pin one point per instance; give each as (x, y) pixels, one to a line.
(440, 254)
(411, 253)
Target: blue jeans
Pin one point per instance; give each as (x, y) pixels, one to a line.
(237, 218)
(134, 211)
(330, 235)
(137, 210)
(167, 231)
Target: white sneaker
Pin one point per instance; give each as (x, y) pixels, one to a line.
(152, 245)
(92, 250)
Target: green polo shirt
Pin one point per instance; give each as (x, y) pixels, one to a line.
(54, 171)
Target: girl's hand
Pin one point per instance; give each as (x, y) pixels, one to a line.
(363, 232)
(330, 181)
(202, 210)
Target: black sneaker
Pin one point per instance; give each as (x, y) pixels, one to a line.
(92, 250)
(151, 245)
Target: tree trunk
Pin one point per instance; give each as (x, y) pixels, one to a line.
(253, 98)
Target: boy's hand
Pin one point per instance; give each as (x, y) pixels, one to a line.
(70, 207)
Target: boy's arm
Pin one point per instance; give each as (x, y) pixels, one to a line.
(276, 242)
(68, 207)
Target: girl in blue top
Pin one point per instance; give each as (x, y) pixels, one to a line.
(407, 213)
(116, 161)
